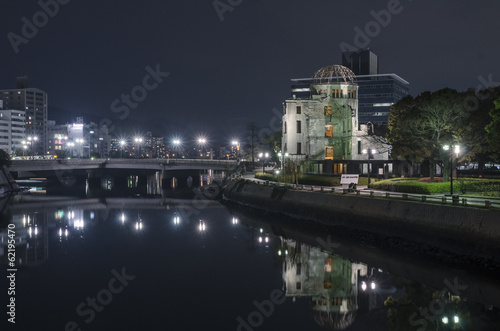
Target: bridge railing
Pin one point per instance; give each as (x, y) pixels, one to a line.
(77, 162)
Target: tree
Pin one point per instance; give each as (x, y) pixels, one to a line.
(420, 127)
(4, 158)
(480, 104)
(252, 136)
(493, 130)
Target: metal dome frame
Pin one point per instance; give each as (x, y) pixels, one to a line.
(334, 72)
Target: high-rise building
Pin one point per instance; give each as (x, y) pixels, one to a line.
(377, 92)
(34, 102)
(361, 63)
(12, 130)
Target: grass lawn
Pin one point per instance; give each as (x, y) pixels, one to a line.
(484, 187)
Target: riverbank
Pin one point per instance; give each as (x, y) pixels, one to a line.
(470, 231)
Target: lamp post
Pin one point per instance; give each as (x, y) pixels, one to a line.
(138, 142)
(122, 144)
(236, 145)
(370, 153)
(282, 157)
(177, 143)
(263, 156)
(456, 149)
(202, 142)
(32, 140)
(80, 142)
(71, 144)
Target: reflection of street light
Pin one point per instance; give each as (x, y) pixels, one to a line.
(263, 156)
(456, 149)
(370, 153)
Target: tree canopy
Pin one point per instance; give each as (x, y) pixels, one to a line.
(420, 127)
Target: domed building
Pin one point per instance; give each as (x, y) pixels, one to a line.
(324, 125)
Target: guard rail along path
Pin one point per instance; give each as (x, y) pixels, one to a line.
(457, 228)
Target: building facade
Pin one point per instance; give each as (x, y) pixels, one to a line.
(321, 123)
(34, 102)
(12, 130)
(377, 92)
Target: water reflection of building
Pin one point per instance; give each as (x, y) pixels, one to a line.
(31, 235)
(330, 280)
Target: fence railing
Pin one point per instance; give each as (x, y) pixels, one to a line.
(456, 200)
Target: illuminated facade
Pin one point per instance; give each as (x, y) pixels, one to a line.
(12, 129)
(34, 102)
(377, 92)
(323, 124)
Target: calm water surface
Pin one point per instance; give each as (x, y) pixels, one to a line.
(167, 264)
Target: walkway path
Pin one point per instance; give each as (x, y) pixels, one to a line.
(465, 200)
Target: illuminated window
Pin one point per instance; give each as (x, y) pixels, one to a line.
(328, 110)
(329, 131)
(329, 153)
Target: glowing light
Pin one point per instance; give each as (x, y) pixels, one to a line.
(202, 226)
(260, 239)
(235, 220)
(60, 232)
(372, 285)
(456, 319)
(363, 286)
(445, 320)
(267, 239)
(177, 220)
(122, 218)
(279, 252)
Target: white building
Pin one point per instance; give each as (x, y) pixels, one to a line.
(325, 125)
(12, 129)
(34, 102)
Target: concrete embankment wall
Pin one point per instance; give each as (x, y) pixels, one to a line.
(472, 231)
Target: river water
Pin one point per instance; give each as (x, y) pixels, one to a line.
(160, 263)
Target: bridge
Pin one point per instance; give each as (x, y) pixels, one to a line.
(21, 166)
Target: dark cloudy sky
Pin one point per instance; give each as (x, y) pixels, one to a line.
(224, 74)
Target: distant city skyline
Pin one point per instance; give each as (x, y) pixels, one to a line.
(225, 73)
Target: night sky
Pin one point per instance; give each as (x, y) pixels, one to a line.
(225, 74)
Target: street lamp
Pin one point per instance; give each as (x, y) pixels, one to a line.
(71, 144)
(122, 144)
(370, 153)
(177, 143)
(32, 141)
(80, 141)
(456, 149)
(138, 142)
(236, 144)
(282, 157)
(263, 156)
(202, 142)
